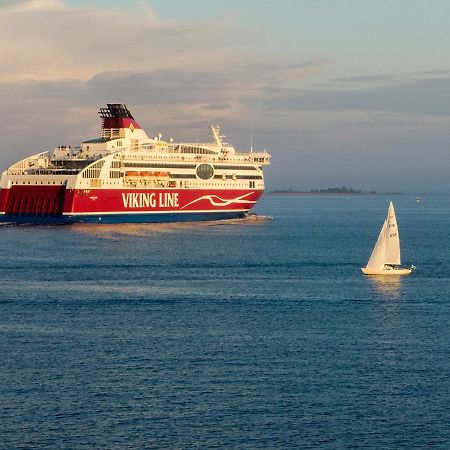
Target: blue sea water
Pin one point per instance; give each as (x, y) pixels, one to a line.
(249, 334)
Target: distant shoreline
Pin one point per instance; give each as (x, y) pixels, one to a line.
(330, 193)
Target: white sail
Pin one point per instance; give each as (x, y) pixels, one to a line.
(392, 238)
(385, 257)
(378, 256)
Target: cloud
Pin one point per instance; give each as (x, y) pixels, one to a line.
(48, 40)
(400, 95)
(432, 72)
(369, 79)
(59, 64)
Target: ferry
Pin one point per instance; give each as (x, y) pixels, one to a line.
(124, 176)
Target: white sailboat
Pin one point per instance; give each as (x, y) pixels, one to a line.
(385, 257)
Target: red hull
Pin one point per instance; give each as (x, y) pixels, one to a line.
(58, 201)
(33, 200)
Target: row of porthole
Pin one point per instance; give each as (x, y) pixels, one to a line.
(36, 182)
(216, 184)
(62, 182)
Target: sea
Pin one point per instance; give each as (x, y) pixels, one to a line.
(259, 333)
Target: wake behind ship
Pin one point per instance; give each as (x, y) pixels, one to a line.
(125, 176)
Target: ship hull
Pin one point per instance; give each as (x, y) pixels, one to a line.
(155, 217)
(388, 271)
(120, 218)
(58, 205)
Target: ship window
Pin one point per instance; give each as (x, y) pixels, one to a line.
(205, 171)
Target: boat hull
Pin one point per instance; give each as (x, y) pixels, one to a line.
(121, 218)
(36, 205)
(387, 271)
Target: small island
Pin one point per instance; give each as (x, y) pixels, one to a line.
(331, 190)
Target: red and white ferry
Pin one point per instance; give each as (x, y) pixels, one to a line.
(125, 176)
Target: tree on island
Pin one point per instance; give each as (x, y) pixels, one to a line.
(337, 190)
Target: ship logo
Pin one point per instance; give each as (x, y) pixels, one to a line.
(131, 127)
(215, 200)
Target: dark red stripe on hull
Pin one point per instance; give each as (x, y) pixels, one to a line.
(33, 200)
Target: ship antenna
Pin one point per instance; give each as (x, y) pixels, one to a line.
(251, 140)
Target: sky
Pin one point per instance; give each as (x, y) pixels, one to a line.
(349, 93)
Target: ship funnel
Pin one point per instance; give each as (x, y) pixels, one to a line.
(118, 122)
(116, 110)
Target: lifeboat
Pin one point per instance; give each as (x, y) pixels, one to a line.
(142, 174)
